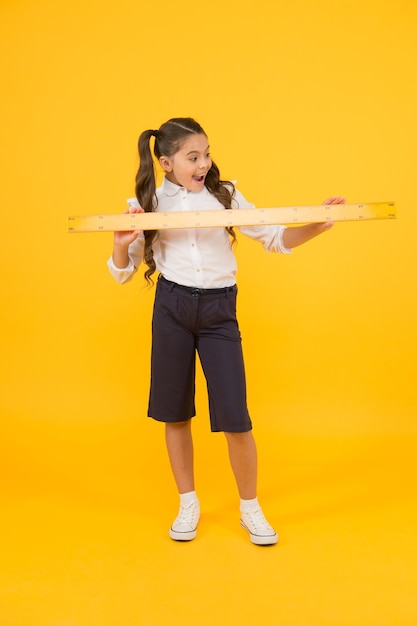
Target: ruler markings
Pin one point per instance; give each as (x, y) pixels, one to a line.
(232, 217)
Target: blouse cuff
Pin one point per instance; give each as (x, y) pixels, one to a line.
(281, 241)
(129, 268)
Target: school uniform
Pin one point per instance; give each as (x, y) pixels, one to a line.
(195, 311)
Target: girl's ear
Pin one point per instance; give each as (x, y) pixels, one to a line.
(165, 163)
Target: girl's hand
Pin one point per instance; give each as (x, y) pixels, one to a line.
(124, 238)
(298, 235)
(335, 200)
(323, 226)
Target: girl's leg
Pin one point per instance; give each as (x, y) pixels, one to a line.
(181, 454)
(243, 459)
(244, 462)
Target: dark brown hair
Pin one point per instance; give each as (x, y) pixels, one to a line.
(168, 140)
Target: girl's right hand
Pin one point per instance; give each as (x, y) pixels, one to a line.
(124, 238)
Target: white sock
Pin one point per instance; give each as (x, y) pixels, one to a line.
(248, 504)
(190, 496)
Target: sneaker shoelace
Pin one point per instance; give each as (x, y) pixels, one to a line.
(257, 521)
(188, 514)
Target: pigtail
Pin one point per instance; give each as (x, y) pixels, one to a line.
(223, 190)
(145, 193)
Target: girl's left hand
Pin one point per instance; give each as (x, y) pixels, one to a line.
(335, 200)
(300, 234)
(323, 226)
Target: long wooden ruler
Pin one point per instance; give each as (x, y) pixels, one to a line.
(232, 217)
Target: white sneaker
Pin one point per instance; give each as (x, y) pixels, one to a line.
(260, 532)
(184, 527)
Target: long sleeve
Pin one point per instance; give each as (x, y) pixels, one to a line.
(135, 257)
(271, 237)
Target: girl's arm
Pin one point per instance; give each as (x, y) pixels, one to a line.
(296, 236)
(122, 241)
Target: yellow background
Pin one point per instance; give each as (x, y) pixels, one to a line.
(301, 100)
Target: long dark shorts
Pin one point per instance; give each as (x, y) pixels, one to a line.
(204, 322)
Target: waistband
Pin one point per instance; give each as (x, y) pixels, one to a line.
(197, 291)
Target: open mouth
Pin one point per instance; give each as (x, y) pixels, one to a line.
(199, 179)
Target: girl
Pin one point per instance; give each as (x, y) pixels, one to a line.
(195, 311)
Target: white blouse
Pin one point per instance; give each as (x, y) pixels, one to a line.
(196, 257)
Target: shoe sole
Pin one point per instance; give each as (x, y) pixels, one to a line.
(187, 536)
(260, 540)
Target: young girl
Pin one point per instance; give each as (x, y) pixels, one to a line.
(195, 311)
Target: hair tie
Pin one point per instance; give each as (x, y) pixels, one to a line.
(154, 134)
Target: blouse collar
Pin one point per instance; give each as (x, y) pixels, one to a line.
(170, 189)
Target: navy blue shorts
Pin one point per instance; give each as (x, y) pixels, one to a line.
(187, 321)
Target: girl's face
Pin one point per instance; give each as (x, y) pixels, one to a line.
(188, 167)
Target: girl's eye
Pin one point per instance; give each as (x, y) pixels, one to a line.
(193, 159)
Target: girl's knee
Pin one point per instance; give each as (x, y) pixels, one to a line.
(178, 425)
(239, 437)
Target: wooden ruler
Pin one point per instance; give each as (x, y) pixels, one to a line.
(232, 217)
